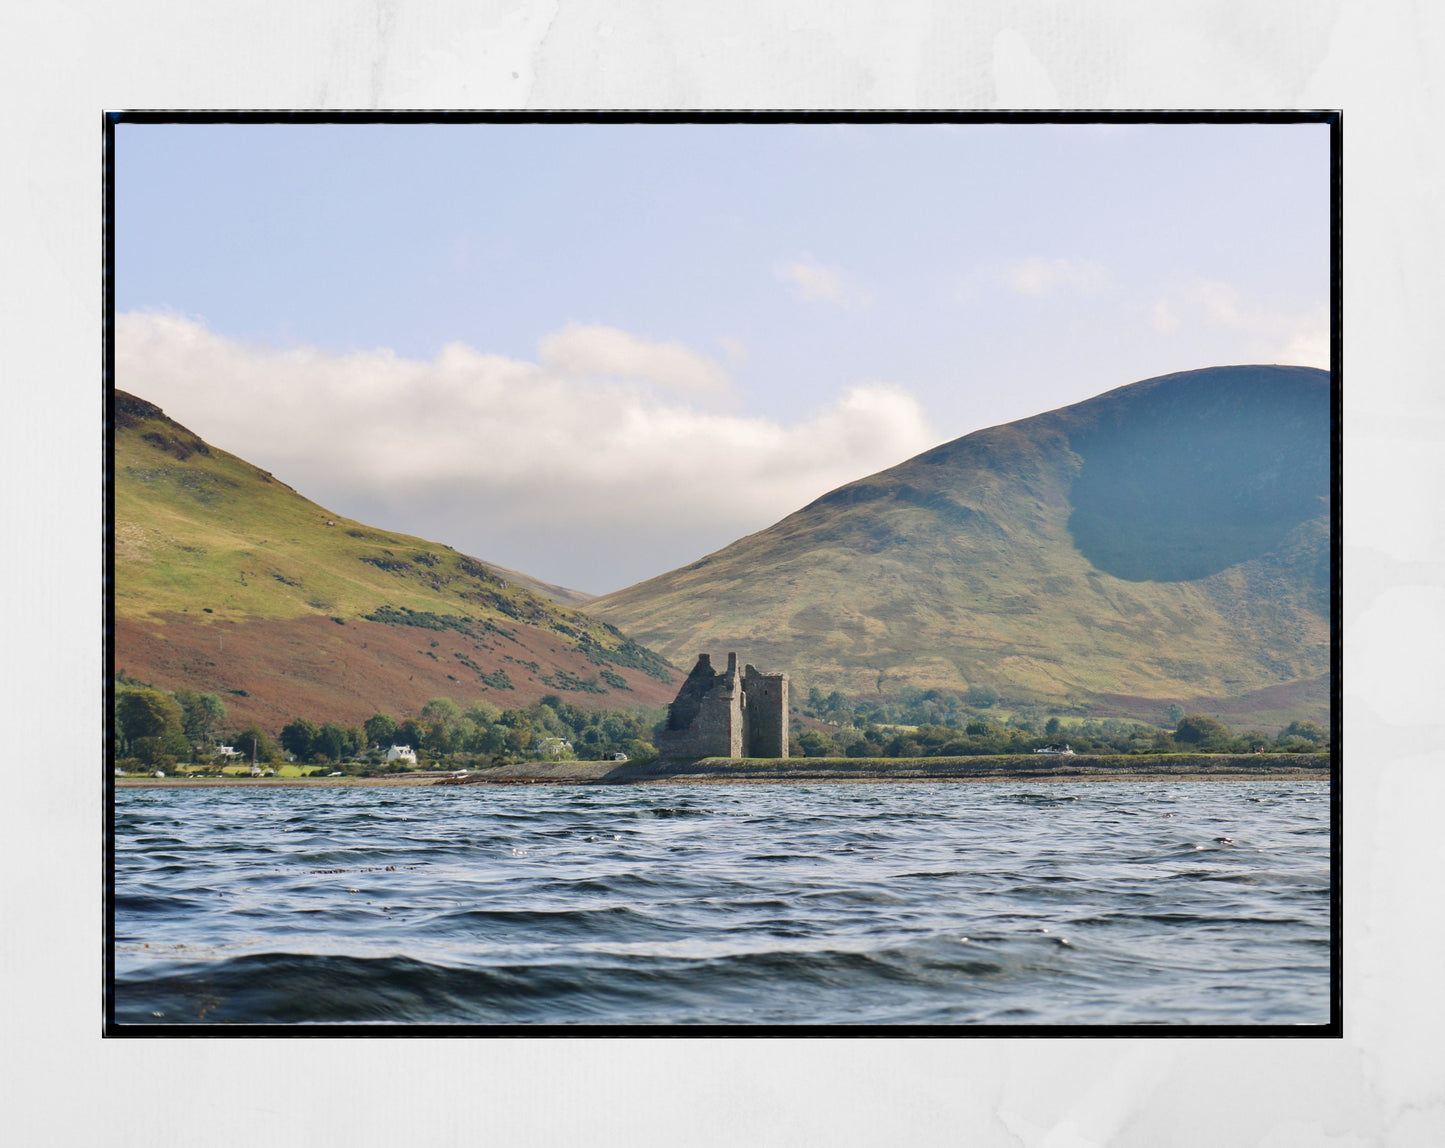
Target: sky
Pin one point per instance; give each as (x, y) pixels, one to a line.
(596, 352)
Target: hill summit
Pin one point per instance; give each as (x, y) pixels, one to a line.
(228, 581)
(1163, 543)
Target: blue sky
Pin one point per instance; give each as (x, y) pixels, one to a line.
(571, 332)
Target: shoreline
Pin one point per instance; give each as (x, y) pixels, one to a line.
(784, 771)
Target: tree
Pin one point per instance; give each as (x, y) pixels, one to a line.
(380, 730)
(442, 710)
(334, 741)
(164, 750)
(1308, 730)
(299, 738)
(202, 715)
(146, 713)
(982, 695)
(438, 741)
(483, 713)
(1051, 727)
(255, 743)
(488, 739)
(1019, 742)
(546, 718)
(816, 744)
(1201, 730)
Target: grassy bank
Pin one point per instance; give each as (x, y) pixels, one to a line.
(1014, 767)
(715, 770)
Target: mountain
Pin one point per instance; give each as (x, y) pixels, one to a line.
(562, 595)
(1166, 542)
(228, 581)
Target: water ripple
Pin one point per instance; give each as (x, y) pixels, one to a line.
(1093, 903)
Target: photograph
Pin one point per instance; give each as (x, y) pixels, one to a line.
(729, 574)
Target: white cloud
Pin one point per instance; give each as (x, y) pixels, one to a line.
(1040, 277)
(1219, 301)
(1163, 318)
(734, 350)
(814, 282)
(1307, 342)
(579, 350)
(596, 482)
(1269, 335)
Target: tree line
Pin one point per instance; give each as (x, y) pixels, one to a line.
(945, 723)
(160, 729)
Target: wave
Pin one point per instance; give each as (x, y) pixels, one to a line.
(1083, 903)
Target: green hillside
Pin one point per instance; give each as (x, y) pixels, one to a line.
(226, 578)
(197, 527)
(1165, 542)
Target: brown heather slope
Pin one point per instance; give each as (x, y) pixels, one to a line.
(270, 670)
(1165, 542)
(228, 581)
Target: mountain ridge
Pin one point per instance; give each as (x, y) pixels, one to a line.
(1165, 541)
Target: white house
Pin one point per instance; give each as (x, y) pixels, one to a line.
(554, 747)
(401, 753)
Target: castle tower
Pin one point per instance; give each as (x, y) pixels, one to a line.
(765, 714)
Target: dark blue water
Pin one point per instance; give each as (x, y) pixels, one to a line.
(1066, 903)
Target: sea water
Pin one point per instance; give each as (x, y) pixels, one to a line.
(1180, 903)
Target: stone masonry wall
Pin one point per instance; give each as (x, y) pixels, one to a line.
(765, 716)
(706, 718)
(727, 714)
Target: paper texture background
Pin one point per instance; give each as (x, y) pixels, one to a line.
(1384, 1083)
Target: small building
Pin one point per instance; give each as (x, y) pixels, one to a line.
(553, 747)
(1063, 750)
(401, 753)
(227, 751)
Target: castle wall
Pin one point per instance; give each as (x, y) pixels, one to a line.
(706, 718)
(727, 714)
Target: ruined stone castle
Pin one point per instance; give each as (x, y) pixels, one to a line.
(722, 713)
